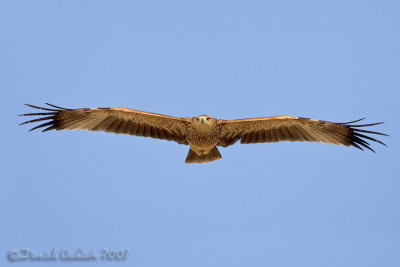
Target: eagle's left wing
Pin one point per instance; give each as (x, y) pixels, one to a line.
(287, 128)
(114, 120)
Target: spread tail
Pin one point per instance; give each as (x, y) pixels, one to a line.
(192, 157)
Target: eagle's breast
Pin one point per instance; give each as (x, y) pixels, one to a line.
(202, 139)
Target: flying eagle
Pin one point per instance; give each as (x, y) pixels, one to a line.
(203, 133)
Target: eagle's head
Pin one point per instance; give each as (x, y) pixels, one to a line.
(204, 120)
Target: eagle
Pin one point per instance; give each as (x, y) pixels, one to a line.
(203, 133)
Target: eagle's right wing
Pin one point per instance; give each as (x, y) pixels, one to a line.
(115, 120)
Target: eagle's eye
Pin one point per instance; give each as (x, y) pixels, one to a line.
(208, 118)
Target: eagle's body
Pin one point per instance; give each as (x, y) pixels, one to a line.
(203, 136)
(203, 133)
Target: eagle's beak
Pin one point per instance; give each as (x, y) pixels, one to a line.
(202, 121)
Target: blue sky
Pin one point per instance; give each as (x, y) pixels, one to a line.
(281, 204)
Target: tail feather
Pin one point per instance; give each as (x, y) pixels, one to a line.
(192, 157)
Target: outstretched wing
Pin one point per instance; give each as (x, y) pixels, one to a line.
(286, 128)
(114, 120)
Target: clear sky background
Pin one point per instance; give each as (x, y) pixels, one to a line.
(280, 204)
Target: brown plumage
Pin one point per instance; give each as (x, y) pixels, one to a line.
(204, 133)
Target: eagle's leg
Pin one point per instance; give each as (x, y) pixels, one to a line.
(192, 157)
